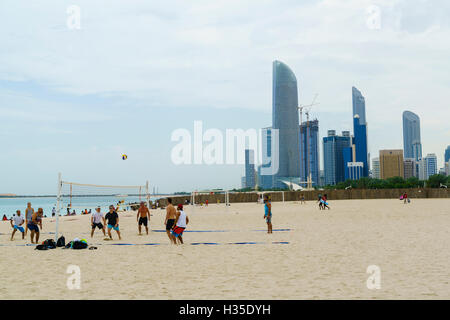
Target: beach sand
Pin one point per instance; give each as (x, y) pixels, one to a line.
(326, 256)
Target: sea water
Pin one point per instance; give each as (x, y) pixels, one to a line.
(8, 206)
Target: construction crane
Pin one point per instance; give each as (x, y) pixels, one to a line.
(308, 151)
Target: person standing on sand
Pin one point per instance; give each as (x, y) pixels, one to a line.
(324, 202)
(320, 202)
(405, 198)
(29, 211)
(181, 222)
(171, 215)
(18, 222)
(268, 213)
(302, 199)
(36, 219)
(96, 221)
(113, 221)
(143, 217)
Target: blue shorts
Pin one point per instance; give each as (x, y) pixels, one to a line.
(33, 227)
(110, 226)
(21, 229)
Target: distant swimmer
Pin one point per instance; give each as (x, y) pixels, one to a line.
(268, 213)
(17, 225)
(171, 215)
(181, 222)
(113, 221)
(33, 225)
(143, 217)
(96, 221)
(28, 213)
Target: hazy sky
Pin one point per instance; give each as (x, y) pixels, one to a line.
(74, 100)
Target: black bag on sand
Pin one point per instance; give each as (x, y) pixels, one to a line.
(50, 243)
(61, 242)
(79, 245)
(41, 247)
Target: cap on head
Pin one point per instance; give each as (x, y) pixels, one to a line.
(180, 207)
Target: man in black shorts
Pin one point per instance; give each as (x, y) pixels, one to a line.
(171, 215)
(143, 217)
(96, 221)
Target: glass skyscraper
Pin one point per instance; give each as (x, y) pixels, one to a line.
(412, 146)
(285, 119)
(447, 154)
(309, 151)
(431, 165)
(333, 156)
(249, 168)
(360, 130)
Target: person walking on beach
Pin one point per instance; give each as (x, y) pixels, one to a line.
(29, 211)
(181, 222)
(268, 213)
(320, 202)
(405, 198)
(324, 202)
(96, 221)
(143, 217)
(18, 222)
(36, 219)
(171, 215)
(302, 199)
(113, 221)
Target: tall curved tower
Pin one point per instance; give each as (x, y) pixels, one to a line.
(412, 146)
(285, 119)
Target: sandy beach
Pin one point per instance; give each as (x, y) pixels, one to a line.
(315, 255)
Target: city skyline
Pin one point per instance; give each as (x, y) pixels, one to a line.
(75, 104)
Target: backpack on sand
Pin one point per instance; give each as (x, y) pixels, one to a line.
(61, 242)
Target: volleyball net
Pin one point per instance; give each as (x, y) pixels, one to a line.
(82, 198)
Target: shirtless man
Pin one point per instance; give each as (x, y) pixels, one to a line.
(29, 211)
(143, 217)
(36, 219)
(171, 215)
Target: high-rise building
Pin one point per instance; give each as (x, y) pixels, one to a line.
(391, 163)
(309, 151)
(285, 120)
(376, 168)
(333, 156)
(447, 168)
(431, 164)
(421, 170)
(412, 146)
(265, 174)
(447, 154)
(409, 166)
(360, 130)
(250, 180)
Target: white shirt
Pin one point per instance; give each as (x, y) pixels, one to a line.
(182, 220)
(17, 220)
(97, 217)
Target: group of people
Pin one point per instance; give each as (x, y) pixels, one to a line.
(32, 221)
(176, 221)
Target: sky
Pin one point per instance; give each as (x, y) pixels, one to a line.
(74, 100)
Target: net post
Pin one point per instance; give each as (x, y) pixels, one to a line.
(58, 206)
(147, 195)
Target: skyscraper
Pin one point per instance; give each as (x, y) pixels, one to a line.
(431, 165)
(409, 166)
(376, 168)
(285, 119)
(333, 156)
(309, 151)
(447, 154)
(412, 146)
(391, 163)
(249, 168)
(360, 130)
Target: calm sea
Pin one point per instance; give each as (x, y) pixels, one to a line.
(9, 206)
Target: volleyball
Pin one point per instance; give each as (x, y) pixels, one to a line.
(124, 157)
